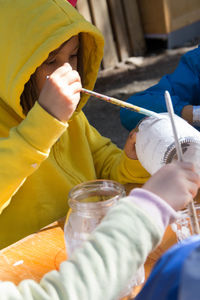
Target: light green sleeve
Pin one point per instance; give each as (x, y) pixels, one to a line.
(26, 147)
(100, 269)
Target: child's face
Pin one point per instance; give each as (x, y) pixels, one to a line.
(67, 52)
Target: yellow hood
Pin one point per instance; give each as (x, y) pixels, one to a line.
(29, 31)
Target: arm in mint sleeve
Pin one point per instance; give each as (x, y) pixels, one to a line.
(102, 267)
(183, 85)
(26, 147)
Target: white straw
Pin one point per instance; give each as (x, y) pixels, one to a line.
(191, 208)
(171, 115)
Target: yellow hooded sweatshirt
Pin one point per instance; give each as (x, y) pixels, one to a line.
(41, 159)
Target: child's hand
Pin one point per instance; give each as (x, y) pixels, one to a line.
(176, 183)
(61, 93)
(129, 147)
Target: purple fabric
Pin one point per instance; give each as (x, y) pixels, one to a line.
(154, 206)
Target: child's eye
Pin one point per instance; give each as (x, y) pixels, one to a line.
(73, 55)
(50, 62)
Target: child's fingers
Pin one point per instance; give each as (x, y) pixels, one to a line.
(185, 165)
(72, 77)
(190, 173)
(132, 137)
(66, 77)
(189, 170)
(65, 72)
(75, 87)
(193, 188)
(132, 134)
(191, 182)
(61, 71)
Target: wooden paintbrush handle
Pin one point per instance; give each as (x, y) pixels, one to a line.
(193, 218)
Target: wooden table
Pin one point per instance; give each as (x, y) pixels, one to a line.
(42, 252)
(34, 255)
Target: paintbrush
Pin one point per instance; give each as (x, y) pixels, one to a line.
(121, 103)
(191, 208)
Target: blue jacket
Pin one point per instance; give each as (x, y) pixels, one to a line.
(183, 85)
(176, 275)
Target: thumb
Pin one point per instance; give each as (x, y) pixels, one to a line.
(129, 147)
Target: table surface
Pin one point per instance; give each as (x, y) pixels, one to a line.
(34, 255)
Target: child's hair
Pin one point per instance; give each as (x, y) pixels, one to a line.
(29, 95)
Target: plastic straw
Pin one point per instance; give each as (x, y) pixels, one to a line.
(191, 208)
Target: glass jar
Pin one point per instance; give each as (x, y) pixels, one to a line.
(89, 203)
(182, 226)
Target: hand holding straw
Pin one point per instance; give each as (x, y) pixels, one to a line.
(120, 103)
(191, 208)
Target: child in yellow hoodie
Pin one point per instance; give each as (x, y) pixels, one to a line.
(47, 145)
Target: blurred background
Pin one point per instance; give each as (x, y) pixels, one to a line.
(144, 39)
